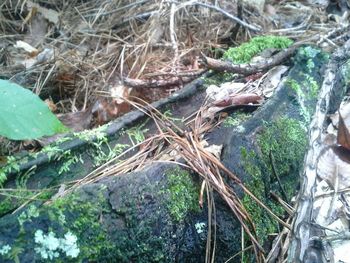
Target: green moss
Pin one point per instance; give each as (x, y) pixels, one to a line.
(263, 223)
(6, 205)
(138, 242)
(218, 79)
(12, 165)
(20, 196)
(245, 52)
(286, 140)
(183, 194)
(293, 84)
(306, 89)
(235, 119)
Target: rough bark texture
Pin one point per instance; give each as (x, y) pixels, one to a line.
(306, 243)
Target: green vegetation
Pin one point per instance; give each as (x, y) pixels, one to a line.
(304, 80)
(11, 166)
(183, 193)
(235, 119)
(286, 140)
(137, 134)
(219, 78)
(309, 53)
(306, 91)
(245, 52)
(24, 115)
(263, 222)
(82, 219)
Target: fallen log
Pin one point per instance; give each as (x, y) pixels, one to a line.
(319, 216)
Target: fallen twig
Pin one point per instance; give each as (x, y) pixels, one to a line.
(162, 83)
(248, 69)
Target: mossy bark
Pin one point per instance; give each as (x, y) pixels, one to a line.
(268, 151)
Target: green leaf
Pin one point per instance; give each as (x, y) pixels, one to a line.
(23, 115)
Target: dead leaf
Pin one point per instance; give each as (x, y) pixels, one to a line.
(52, 106)
(237, 100)
(224, 90)
(333, 166)
(214, 150)
(343, 137)
(272, 80)
(32, 51)
(106, 110)
(49, 14)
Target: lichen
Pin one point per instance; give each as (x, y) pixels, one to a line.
(308, 54)
(82, 219)
(50, 247)
(182, 192)
(5, 249)
(245, 52)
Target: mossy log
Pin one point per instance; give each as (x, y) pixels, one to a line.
(153, 215)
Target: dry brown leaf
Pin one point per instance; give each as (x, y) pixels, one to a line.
(343, 137)
(49, 14)
(242, 99)
(334, 167)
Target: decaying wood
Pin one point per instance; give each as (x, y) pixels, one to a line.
(308, 229)
(248, 69)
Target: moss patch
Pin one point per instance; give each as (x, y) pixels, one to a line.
(182, 192)
(286, 140)
(263, 222)
(219, 78)
(139, 242)
(235, 119)
(245, 52)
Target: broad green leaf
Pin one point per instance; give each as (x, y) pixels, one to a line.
(23, 115)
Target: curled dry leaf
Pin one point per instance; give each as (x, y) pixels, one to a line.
(343, 137)
(237, 100)
(75, 121)
(32, 51)
(226, 89)
(52, 106)
(344, 110)
(272, 80)
(49, 14)
(106, 110)
(334, 166)
(214, 150)
(334, 163)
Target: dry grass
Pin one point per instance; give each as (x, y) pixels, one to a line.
(97, 43)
